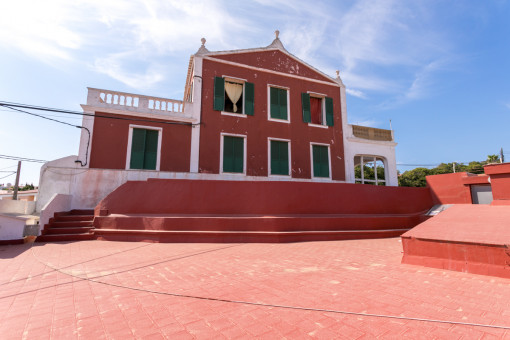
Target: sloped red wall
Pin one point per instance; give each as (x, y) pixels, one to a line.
(449, 188)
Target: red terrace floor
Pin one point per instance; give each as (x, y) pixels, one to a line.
(117, 290)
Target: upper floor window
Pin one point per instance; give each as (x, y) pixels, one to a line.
(278, 104)
(233, 96)
(317, 109)
(369, 170)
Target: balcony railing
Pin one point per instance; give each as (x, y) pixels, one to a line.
(372, 133)
(133, 102)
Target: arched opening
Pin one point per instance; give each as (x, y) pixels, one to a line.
(369, 169)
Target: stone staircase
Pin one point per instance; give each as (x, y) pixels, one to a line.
(74, 225)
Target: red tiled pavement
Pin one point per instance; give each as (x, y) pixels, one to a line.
(121, 290)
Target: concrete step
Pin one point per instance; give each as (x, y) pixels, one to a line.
(72, 218)
(65, 237)
(69, 230)
(66, 224)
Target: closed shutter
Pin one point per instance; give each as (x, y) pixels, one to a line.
(233, 154)
(249, 98)
(329, 111)
(282, 100)
(219, 94)
(320, 161)
(137, 149)
(151, 149)
(279, 158)
(305, 102)
(274, 105)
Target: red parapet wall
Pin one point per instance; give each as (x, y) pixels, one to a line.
(169, 196)
(449, 188)
(500, 182)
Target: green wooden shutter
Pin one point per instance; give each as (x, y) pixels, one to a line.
(305, 101)
(284, 158)
(219, 94)
(137, 149)
(324, 162)
(274, 105)
(282, 100)
(320, 161)
(151, 149)
(233, 154)
(228, 154)
(329, 111)
(238, 154)
(249, 98)
(275, 159)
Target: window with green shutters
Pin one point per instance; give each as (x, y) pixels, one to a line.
(233, 154)
(320, 160)
(144, 149)
(279, 157)
(313, 113)
(278, 103)
(226, 90)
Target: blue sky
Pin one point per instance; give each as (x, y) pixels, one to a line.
(438, 69)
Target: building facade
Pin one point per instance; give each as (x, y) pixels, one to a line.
(253, 114)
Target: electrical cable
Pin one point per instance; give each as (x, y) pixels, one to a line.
(262, 304)
(23, 159)
(8, 175)
(42, 108)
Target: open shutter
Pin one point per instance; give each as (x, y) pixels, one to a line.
(219, 94)
(305, 101)
(151, 149)
(249, 96)
(282, 99)
(137, 149)
(329, 112)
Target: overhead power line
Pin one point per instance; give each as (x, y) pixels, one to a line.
(23, 159)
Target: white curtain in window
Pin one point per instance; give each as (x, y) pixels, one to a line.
(234, 92)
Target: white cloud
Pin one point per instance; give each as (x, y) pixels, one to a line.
(356, 93)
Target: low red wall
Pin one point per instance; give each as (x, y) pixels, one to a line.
(449, 188)
(168, 196)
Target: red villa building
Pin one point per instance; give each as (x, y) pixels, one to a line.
(257, 114)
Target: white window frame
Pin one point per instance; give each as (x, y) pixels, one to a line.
(323, 104)
(238, 81)
(269, 139)
(375, 181)
(329, 161)
(130, 143)
(245, 142)
(269, 104)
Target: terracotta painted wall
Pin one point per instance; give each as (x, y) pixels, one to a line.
(449, 188)
(160, 196)
(500, 182)
(273, 60)
(258, 128)
(110, 140)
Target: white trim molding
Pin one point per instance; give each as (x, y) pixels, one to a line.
(245, 142)
(269, 139)
(130, 141)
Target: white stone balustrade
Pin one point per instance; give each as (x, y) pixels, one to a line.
(133, 102)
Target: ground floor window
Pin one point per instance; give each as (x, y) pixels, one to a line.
(369, 170)
(233, 154)
(320, 160)
(144, 151)
(279, 157)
